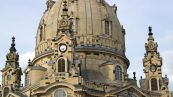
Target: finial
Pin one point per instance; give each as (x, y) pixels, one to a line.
(150, 30)
(166, 76)
(123, 30)
(49, 4)
(65, 10)
(115, 8)
(29, 62)
(134, 75)
(13, 49)
(13, 41)
(141, 77)
(65, 6)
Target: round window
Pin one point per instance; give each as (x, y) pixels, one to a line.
(60, 93)
(8, 77)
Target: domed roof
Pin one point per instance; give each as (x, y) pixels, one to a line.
(91, 34)
(95, 23)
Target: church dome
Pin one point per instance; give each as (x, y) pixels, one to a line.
(96, 24)
(99, 38)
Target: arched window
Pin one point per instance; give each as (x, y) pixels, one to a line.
(61, 65)
(6, 91)
(118, 73)
(60, 93)
(154, 84)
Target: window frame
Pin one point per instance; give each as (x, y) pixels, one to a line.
(107, 30)
(6, 90)
(107, 26)
(118, 73)
(41, 33)
(61, 66)
(154, 85)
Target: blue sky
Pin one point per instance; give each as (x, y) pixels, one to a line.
(20, 18)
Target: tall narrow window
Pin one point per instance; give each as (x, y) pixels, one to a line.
(27, 79)
(60, 93)
(41, 33)
(118, 73)
(61, 65)
(154, 84)
(6, 91)
(107, 26)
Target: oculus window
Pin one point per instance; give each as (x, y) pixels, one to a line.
(60, 93)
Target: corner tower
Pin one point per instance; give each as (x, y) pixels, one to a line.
(11, 74)
(152, 62)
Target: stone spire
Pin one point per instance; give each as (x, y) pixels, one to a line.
(64, 23)
(29, 62)
(150, 30)
(150, 34)
(123, 30)
(13, 56)
(152, 63)
(12, 72)
(13, 49)
(65, 9)
(151, 46)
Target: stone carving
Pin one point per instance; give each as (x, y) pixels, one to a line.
(49, 4)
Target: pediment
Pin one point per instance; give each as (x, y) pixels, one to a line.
(7, 69)
(42, 90)
(132, 90)
(61, 38)
(15, 94)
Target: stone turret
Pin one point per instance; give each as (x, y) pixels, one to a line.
(11, 74)
(152, 62)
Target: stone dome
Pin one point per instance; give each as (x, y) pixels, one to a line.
(96, 24)
(100, 38)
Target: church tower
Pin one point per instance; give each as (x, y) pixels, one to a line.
(152, 62)
(11, 74)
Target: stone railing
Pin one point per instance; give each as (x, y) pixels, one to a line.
(43, 47)
(97, 40)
